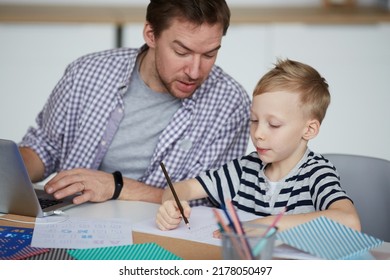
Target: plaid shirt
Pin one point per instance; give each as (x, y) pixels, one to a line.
(78, 122)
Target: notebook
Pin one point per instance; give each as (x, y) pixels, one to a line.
(17, 193)
(15, 243)
(330, 240)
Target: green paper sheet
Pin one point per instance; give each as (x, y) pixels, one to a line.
(144, 251)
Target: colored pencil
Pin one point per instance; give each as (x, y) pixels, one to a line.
(239, 229)
(225, 228)
(268, 232)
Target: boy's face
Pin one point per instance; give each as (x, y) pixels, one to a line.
(278, 126)
(184, 55)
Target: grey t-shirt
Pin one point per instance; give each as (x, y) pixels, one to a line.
(147, 114)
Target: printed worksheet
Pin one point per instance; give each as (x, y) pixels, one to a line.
(81, 233)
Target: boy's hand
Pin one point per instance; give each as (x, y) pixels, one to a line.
(168, 215)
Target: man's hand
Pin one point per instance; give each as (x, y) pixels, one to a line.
(93, 185)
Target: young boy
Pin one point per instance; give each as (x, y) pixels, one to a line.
(288, 106)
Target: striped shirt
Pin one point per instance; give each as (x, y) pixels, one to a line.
(80, 118)
(313, 185)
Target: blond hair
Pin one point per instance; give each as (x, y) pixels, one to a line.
(297, 77)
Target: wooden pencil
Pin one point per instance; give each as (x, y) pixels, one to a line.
(174, 194)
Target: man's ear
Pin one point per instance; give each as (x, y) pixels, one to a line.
(149, 35)
(312, 129)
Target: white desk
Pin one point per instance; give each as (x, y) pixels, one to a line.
(137, 211)
(133, 210)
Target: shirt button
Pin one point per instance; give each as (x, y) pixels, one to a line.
(267, 198)
(103, 143)
(120, 111)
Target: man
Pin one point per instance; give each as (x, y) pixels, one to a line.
(122, 112)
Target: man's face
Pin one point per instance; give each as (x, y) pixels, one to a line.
(184, 55)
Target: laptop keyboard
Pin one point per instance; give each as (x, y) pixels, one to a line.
(44, 202)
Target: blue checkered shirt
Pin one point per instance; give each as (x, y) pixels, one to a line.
(78, 122)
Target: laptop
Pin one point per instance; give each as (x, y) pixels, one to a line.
(17, 193)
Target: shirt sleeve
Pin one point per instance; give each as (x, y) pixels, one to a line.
(221, 184)
(326, 187)
(46, 137)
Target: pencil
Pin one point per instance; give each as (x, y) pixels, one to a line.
(239, 229)
(276, 220)
(229, 231)
(174, 194)
(269, 231)
(223, 207)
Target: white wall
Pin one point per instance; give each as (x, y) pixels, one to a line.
(32, 59)
(354, 59)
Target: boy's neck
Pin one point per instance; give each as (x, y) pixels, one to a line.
(276, 171)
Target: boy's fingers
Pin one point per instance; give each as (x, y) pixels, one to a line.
(186, 208)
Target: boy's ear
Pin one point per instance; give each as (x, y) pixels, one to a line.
(148, 34)
(312, 129)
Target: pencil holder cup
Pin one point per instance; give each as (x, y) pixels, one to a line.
(256, 243)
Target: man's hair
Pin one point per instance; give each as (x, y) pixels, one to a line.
(297, 77)
(160, 13)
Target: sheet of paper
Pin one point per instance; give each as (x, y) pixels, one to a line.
(202, 222)
(80, 233)
(202, 226)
